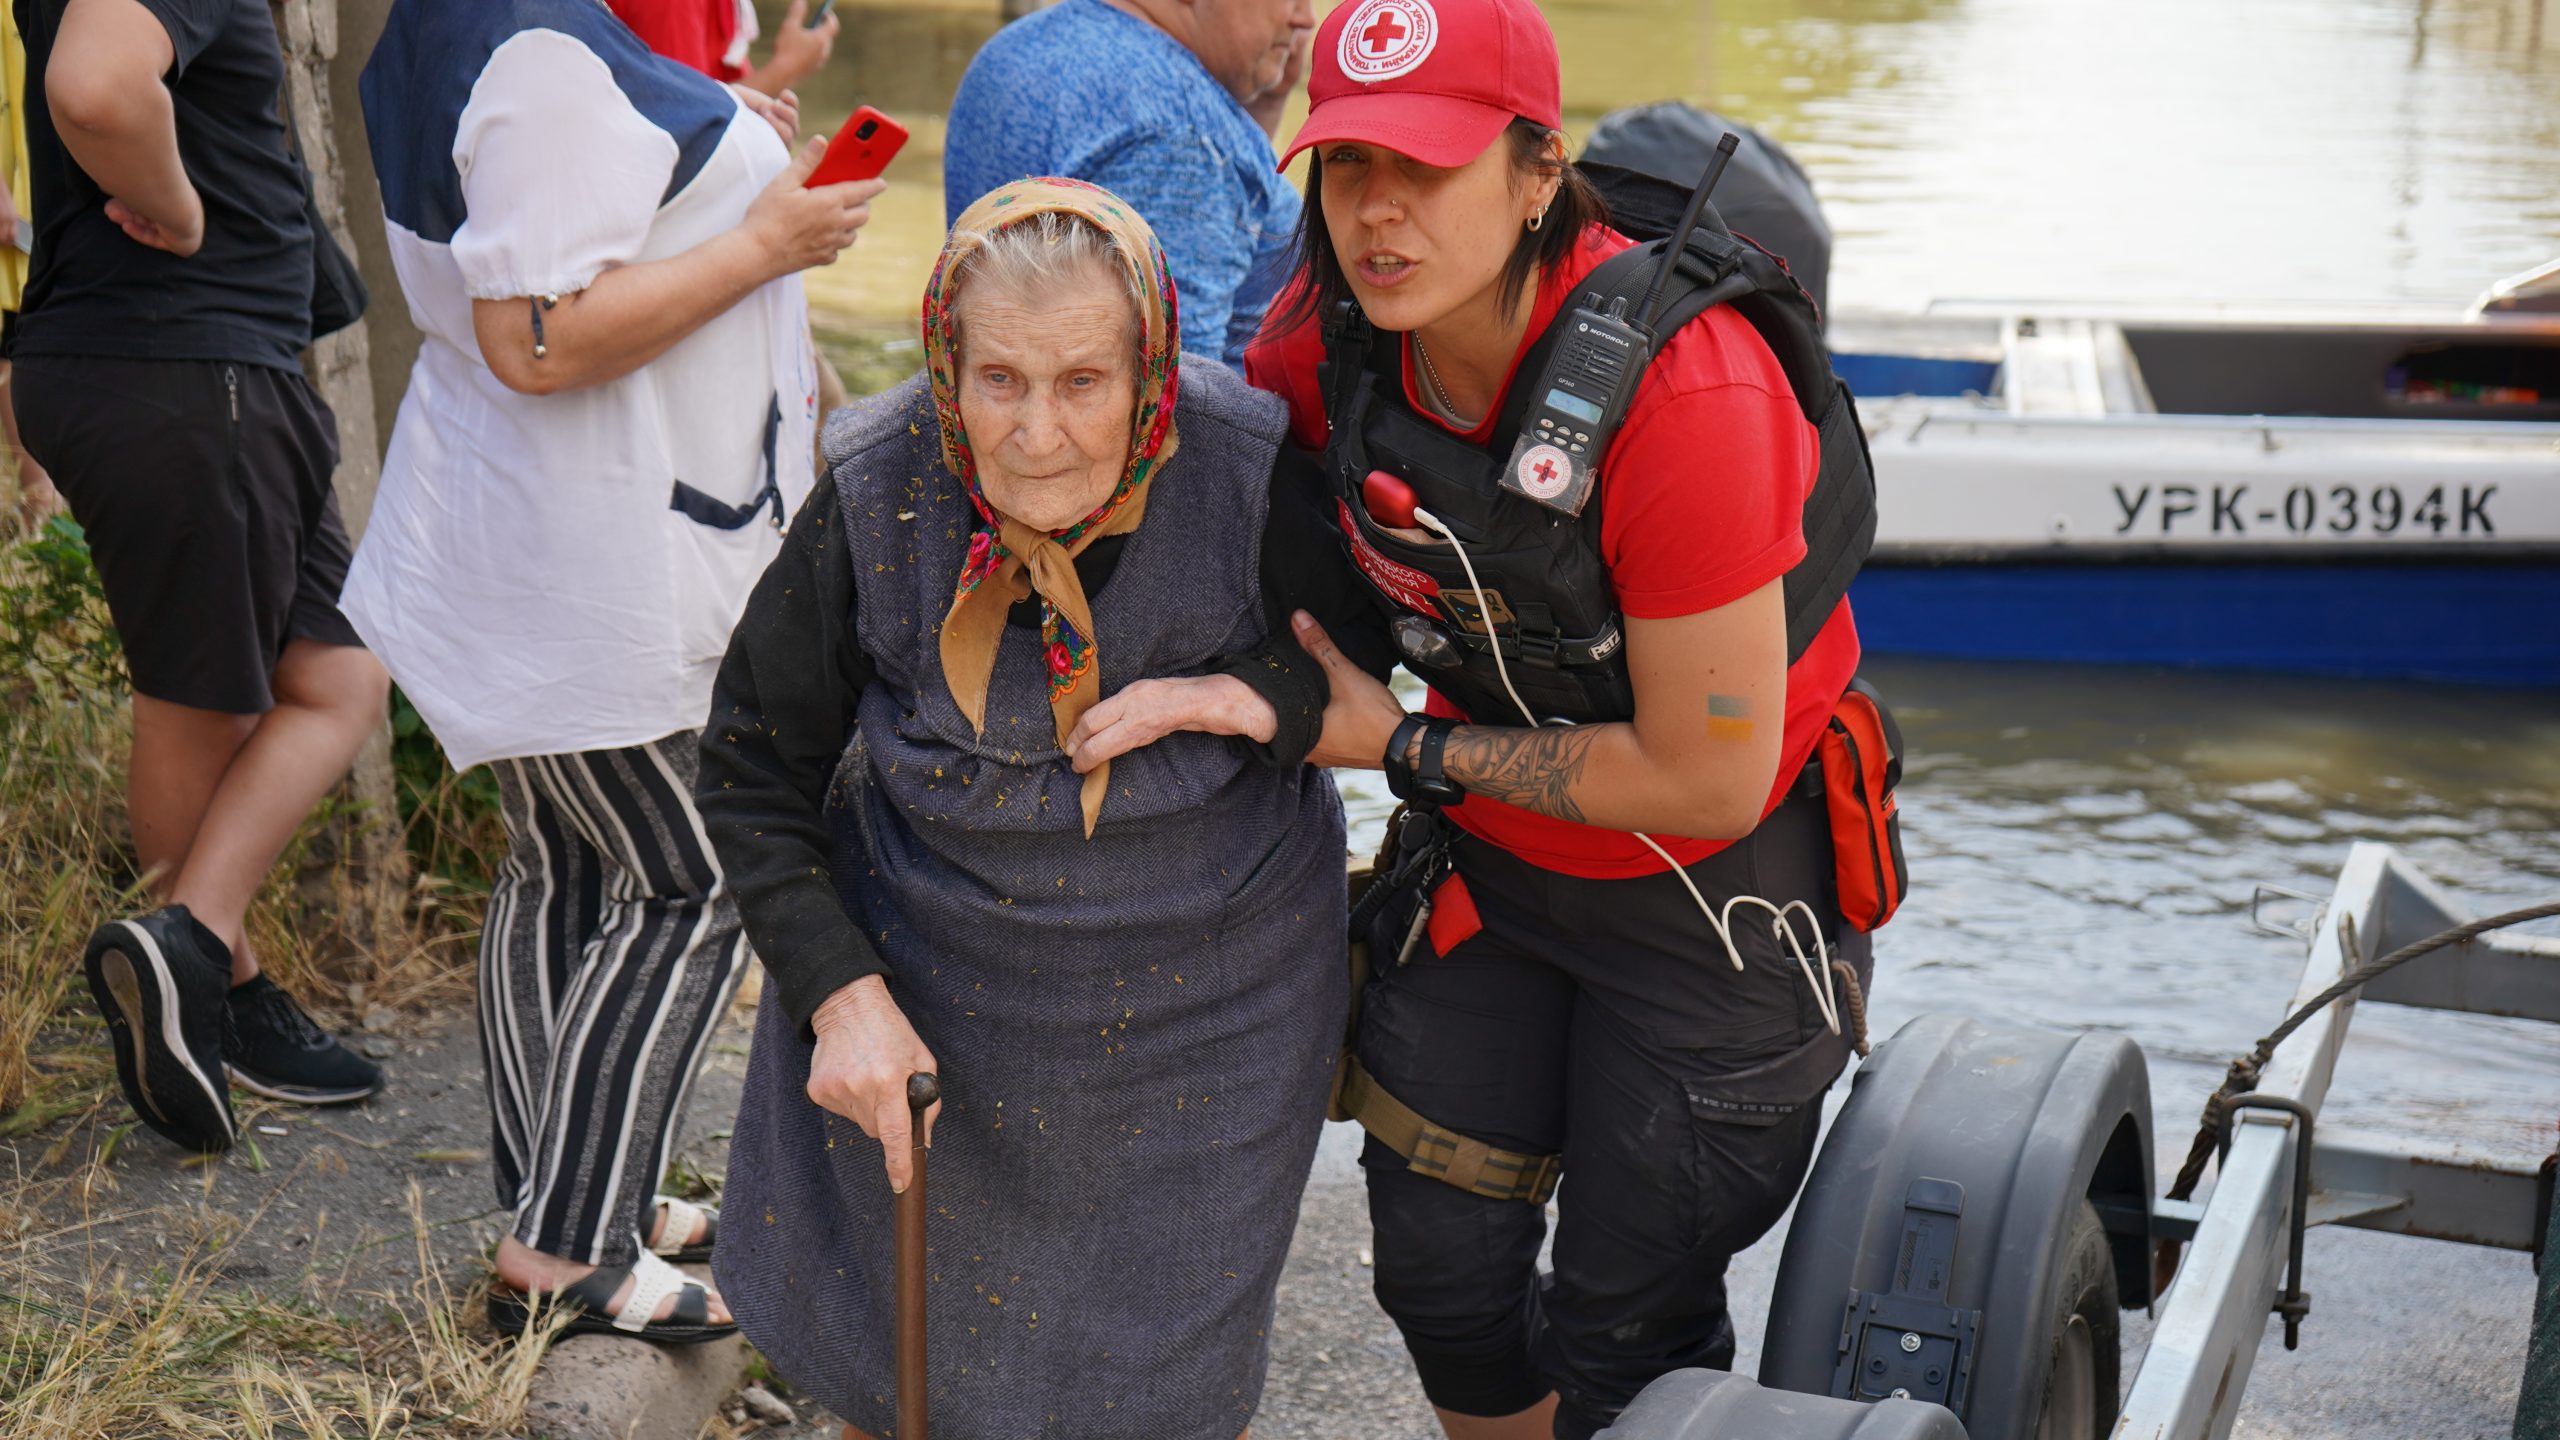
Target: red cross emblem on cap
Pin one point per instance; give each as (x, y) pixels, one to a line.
(1383, 32)
(1387, 38)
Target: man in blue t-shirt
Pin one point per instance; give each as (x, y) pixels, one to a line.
(1170, 104)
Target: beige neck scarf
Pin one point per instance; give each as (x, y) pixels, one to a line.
(1007, 559)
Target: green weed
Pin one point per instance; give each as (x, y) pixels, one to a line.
(66, 853)
(56, 643)
(450, 820)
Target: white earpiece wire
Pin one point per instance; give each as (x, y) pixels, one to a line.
(1826, 996)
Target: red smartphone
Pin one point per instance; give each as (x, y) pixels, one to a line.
(860, 150)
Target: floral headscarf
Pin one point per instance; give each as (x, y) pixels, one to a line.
(1008, 559)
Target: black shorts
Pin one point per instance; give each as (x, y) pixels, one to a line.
(204, 488)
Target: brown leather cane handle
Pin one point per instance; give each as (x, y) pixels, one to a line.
(923, 1090)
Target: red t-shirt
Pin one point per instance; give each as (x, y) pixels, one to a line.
(694, 33)
(1706, 487)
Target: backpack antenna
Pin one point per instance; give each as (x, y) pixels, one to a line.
(1688, 222)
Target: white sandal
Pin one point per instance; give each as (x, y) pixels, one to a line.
(589, 1303)
(681, 1218)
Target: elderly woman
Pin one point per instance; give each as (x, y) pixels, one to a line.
(1006, 764)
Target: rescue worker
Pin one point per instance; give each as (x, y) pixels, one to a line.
(1560, 894)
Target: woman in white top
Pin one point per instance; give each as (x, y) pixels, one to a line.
(607, 423)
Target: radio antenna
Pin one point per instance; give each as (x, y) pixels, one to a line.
(1688, 222)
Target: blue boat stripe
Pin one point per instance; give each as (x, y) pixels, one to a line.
(2439, 616)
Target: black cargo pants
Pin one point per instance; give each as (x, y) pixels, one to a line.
(1600, 1018)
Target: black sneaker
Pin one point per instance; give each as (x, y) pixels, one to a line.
(275, 1050)
(159, 979)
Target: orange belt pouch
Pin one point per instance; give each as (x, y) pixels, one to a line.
(1861, 753)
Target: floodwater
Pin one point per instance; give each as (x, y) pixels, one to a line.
(2087, 846)
(2166, 150)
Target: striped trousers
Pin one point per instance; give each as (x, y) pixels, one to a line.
(611, 949)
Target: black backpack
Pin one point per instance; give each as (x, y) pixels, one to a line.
(1646, 159)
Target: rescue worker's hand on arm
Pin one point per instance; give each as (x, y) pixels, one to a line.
(1146, 711)
(1698, 760)
(1363, 713)
(865, 1052)
(112, 108)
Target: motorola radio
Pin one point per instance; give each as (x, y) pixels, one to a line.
(1590, 377)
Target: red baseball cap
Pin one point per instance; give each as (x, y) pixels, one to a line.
(1436, 80)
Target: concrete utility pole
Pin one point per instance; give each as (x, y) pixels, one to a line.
(371, 907)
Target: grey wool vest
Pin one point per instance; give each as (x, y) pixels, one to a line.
(1187, 593)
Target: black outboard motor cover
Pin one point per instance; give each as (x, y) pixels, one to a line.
(1712, 1405)
(1647, 158)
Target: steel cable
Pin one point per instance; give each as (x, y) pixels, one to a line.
(2243, 1074)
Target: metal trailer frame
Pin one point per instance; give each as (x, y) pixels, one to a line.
(2245, 1239)
(1922, 1268)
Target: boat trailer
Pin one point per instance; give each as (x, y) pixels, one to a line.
(1982, 1211)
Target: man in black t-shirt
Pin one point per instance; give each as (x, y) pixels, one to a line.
(159, 381)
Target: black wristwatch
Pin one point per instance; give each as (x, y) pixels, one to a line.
(1424, 781)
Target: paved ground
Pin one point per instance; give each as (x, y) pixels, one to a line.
(318, 1198)
(2408, 1339)
(320, 1205)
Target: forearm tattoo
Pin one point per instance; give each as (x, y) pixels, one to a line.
(1533, 769)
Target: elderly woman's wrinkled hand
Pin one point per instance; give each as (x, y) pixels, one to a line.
(865, 1052)
(799, 228)
(1146, 711)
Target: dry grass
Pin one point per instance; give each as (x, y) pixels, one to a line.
(91, 1344)
(171, 1353)
(66, 865)
(66, 859)
(61, 871)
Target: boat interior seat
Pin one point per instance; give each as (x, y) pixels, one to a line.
(2505, 370)
(2071, 367)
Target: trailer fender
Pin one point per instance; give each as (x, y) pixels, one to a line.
(1712, 1405)
(1952, 1178)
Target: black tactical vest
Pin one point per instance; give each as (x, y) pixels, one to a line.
(1553, 610)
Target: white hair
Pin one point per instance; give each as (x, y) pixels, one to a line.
(1037, 254)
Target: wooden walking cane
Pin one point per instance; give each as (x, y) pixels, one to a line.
(923, 1090)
